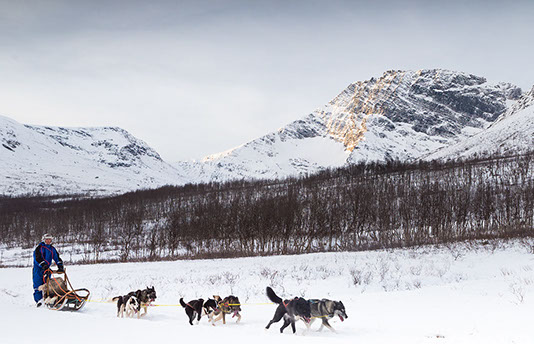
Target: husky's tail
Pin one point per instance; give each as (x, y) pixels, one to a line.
(116, 298)
(182, 302)
(272, 296)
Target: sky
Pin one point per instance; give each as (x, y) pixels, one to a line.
(193, 78)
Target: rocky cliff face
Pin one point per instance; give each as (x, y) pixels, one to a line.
(511, 133)
(400, 115)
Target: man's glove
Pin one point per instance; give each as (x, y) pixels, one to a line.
(60, 268)
(44, 266)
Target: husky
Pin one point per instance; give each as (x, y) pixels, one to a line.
(146, 296)
(53, 290)
(132, 307)
(197, 308)
(228, 305)
(291, 310)
(121, 304)
(193, 309)
(326, 309)
(210, 307)
(143, 298)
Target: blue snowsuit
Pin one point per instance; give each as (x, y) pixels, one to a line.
(42, 258)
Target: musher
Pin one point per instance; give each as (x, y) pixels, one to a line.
(42, 259)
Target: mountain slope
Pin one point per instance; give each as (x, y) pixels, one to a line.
(55, 160)
(401, 115)
(513, 132)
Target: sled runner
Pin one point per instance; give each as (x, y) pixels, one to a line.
(59, 294)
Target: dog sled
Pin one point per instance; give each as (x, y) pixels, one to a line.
(59, 294)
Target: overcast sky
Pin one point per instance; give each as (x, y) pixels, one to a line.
(192, 78)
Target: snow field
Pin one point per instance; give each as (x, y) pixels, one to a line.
(456, 294)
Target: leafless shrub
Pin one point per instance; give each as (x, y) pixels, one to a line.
(397, 266)
(297, 278)
(244, 295)
(356, 276)
(506, 272)
(383, 269)
(396, 283)
(323, 271)
(266, 272)
(230, 279)
(367, 277)
(494, 245)
(276, 278)
(528, 243)
(459, 277)
(413, 255)
(303, 267)
(456, 254)
(213, 279)
(526, 268)
(360, 277)
(443, 269)
(416, 270)
(320, 268)
(518, 291)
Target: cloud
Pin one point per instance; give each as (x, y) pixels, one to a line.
(198, 77)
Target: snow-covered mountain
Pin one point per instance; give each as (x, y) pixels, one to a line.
(55, 160)
(400, 115)
(405, 115)
(512, 132)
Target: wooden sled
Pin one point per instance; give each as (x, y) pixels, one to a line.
(59, 294)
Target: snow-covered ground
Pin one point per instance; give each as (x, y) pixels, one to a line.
(450, 294)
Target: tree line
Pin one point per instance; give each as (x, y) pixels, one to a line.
(358, 207)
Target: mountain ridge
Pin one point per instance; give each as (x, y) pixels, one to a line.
(401, 115)
(97, 160)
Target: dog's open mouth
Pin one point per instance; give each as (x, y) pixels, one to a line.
(307, 319)
(342, 319)
(235, 314)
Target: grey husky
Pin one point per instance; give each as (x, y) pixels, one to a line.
(326, 309)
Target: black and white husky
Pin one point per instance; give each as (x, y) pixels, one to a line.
(291, 310)
(197, 308)
(127, 304)
(133, 307)
(142, 298)
(325, 309)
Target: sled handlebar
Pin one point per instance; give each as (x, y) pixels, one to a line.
(55, 271)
